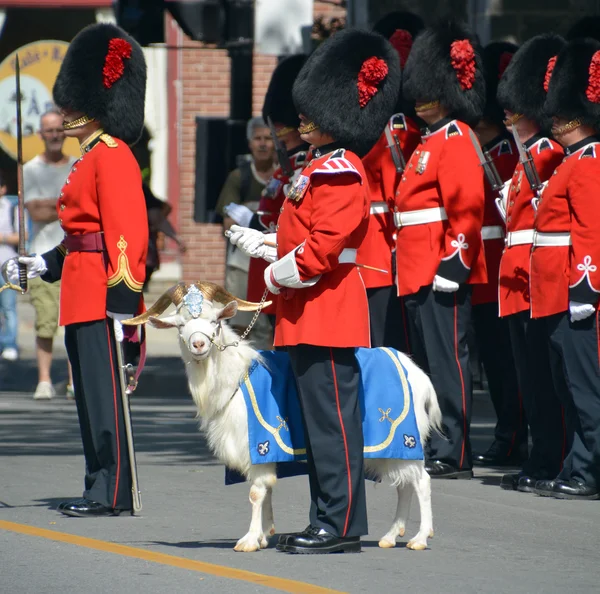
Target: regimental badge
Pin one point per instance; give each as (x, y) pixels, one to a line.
(398, 122)
(422, 163)
(193, 300)
(297, 191)
(272, 188)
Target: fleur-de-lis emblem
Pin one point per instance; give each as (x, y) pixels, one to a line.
(587, 265)
(282, 423)
(409, 441)
(460, 242)
(385, 415)
(263, 448)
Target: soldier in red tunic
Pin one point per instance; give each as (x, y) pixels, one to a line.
(383, 166)
(345, 94)
(101, 261)
(491, 332)
(522, 93)
(439, 215)
(565, 281)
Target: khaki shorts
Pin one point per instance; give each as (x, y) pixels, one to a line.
(45, 299)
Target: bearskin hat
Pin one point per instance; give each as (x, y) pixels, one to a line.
(496, 58)
(445, 65)
(103, 75)
(588, 26)
(349, 87)
(574, 91)
(279, 105)
(524, 85)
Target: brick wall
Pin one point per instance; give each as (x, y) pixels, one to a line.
(204, 75)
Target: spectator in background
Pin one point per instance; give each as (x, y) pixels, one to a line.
(244, 185)
(9, 240)
(43, 179)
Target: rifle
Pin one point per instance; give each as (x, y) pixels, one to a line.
(395, 150)
(526, 159)
(282, 156)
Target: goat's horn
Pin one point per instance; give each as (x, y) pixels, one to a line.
(174, 296)
(214, 292)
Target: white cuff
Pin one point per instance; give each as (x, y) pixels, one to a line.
(285, 272)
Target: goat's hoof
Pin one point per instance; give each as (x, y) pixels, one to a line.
(431, 533)
(415, 545)
(272, 530)
(264, 542)
(247, 545)
(401, 531)
(387, 544)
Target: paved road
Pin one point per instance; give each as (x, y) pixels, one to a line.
(487, 540)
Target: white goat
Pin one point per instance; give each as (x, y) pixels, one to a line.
(214, 374)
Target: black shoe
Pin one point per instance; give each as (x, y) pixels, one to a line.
(510, 482)
(317, 541)
(526, 484)
(498, 455)
(85, 508)
(545, 487)
(64, 504)
(283, 537)
(575, 489)
(439, 469)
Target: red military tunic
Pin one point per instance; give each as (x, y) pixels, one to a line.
(382, 178)
(564, 273)
(505, 156)
(327, 211)
(443, 180)
(265, 220)
(103, 193)
(513, 290)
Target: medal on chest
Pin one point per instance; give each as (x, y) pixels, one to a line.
(272, 188)
(299, 188)
(422, 162)
(517, 186)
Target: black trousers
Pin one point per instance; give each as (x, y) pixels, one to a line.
(91, 348)
(495, 352)
(328, 384)
(438, 324)
(575, 345)
(543, 410)
(387, 319)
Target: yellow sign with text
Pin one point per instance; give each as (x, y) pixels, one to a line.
(40, 62)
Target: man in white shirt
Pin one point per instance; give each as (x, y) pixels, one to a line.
(43, 178)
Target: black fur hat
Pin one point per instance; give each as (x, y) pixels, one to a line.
(103, 75)
(496, 58)
(524, 84)
(588, 26)
(574, 91)
(445, 65)
(401, 28)
(349, 87)
(279, 105)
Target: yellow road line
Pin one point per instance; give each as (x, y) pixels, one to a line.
(267, 581)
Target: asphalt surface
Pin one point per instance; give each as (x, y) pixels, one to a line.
(486, 539)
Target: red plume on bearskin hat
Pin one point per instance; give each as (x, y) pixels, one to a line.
(574, 91)
(401, 28)
(279, 105)
(103, 75)
(445, 65)
(524, 84)
(496, 58)
(349, 87)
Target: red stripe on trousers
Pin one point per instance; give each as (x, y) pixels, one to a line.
(462, 383)
(337, 402)
(112, 375)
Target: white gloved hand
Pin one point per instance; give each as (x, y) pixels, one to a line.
(117, 318)
(580, 311)
(241, 214)
(36, 266)
(256, 247)
(270, 282)
(444, 285)
(247, 240)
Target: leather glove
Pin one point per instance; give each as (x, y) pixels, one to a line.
(240, 236)
(444, 285)
(36, 266)
(241, 214)
(580, 311)
(117, 318)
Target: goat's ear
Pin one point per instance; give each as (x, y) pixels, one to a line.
(228, 311)
(169, 322)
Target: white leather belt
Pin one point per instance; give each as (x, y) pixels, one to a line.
(561, 238)
(379, 208)
(523, 237)
(420, 217)
(348, 256)
(492, 232)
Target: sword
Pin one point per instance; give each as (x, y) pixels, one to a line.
(21, 202)
(531, 173)
(395, 149)
(282, 156)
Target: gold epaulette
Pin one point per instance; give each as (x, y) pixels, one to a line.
(108, 140)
